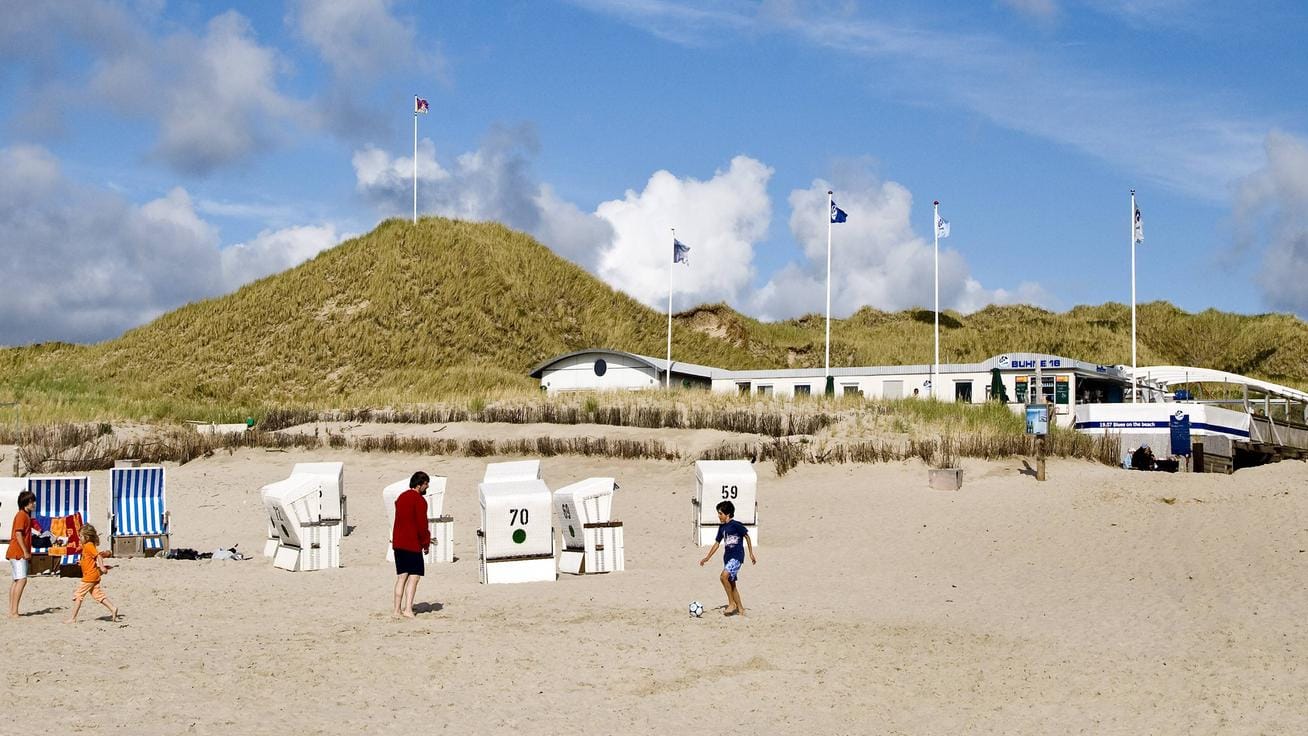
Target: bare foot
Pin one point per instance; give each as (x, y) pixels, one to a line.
(113, 615)
(408, 614)
(70, 621)
(730, 612)
(13, 615)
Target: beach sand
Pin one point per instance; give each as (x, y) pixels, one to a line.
(1085, 604)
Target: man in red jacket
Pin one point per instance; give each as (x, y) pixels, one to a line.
(410, 538)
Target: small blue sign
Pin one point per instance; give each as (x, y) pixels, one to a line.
(1037, 419)
(1179, 424)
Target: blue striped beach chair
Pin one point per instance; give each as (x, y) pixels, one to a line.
(138, 512)
(60, 496)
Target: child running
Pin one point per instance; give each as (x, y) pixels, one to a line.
(730, 534)
(93, 566)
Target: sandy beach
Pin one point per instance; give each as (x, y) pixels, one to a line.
(1099, 602)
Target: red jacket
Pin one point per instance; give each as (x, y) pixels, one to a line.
(411, 532)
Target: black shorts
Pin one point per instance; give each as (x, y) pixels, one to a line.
(408, 563)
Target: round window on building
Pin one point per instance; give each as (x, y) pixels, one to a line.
(601, 367)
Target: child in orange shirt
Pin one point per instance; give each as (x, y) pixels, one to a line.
(92, 568)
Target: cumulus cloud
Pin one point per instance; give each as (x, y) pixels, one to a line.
(492, 183)
(1272, 206)
(83, 264)
(273, 251)
(214, 96)
(720, 219)
(363, 42)
(877, 259)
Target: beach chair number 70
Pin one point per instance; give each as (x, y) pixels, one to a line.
(517, 516)
(728, 492)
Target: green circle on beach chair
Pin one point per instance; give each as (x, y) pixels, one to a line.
(519, 536)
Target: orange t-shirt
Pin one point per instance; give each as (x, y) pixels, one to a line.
(90, 572)
(22, 529)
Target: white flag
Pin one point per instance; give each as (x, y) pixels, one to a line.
(1137, 228)
(942, 227)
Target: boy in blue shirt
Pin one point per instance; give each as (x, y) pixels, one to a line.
(730, 534)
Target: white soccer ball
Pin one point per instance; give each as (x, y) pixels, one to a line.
(696, 609)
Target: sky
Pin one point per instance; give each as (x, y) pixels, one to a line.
(153, 153)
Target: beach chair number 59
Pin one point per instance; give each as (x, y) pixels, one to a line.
(728, 492)
(517, 517)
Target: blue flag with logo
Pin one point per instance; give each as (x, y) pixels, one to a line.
(837, 214)
(680, 252)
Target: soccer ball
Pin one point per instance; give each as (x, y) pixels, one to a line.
(696, 609)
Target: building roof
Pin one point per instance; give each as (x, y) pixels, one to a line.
(658, 364)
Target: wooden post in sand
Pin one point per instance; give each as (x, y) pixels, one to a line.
(1040, 457)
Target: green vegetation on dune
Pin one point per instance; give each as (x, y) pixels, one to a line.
(449, 310)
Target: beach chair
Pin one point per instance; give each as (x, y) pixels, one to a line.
(592, 539)
(61, 501)
(9, 490)
(138, 512)
(305, 516)
(724, 480)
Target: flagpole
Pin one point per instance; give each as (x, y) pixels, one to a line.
(1131, 221)
(672, 264)
(415, 160)
(830, 212)
(935, 366)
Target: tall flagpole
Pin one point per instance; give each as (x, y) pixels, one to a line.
(830, 212)
(1131, 222)
(415, 162)
(672, 263)
(935, 366)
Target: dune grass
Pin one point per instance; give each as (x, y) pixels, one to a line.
(455, 312)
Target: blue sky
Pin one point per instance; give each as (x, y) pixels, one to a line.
(153, 153)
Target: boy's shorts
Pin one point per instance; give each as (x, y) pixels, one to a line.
(93, 588)
(19, 568)
(733, 569)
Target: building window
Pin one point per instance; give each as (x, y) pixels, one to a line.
(803, 389)
(742, 388)
(852, 390)
(764, 390)
(601, 367)
(963, 392)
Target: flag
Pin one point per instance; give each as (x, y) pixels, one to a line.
(419, 105)
(942, 227)
(837, 214)
(680, 252)
(1137, 227)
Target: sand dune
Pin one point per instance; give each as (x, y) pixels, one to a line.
(1085, 604)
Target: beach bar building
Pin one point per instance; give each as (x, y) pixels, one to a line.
(1066, 382)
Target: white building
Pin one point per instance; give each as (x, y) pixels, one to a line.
(1066, 382)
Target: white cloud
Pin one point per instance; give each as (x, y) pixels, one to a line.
(493, 182)
(84, 264)
(274, 251)
(360, 38)
(214, 96)
(1272, 206)
(877, 259)
(365, 44)
(720, 219)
